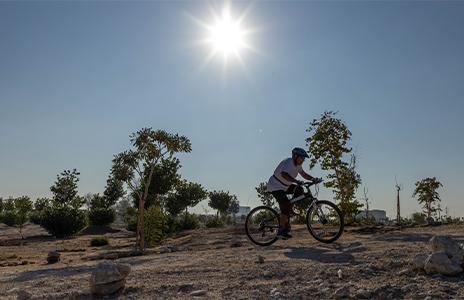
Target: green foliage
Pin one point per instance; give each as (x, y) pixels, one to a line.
(220, 200)
(34, 217)
(427, 195)
(214, 222)
(131, 225)
(128, 214)
(41, 203)
(101, 216)
(154, 221)
(150, 147)
(97, 201)
(186, 195)
(1, 205)
(327, 145)
(99, 241)
(113, 191)
(264, 195)
(23, 205)
(163, 180)
(65, 189)
(351, 210)
(418, 218)
(63, 221)
(10, 218)
(189, 222)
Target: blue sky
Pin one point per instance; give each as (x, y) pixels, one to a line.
(77, 78)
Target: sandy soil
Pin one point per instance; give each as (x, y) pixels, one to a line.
(370, 259)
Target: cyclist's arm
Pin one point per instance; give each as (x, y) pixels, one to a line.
(288, 177)
(306, 175)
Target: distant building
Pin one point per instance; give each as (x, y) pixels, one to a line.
(243, 210)
(379, 215)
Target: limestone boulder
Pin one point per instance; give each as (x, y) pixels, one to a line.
(108, 277)
(452, 249)
(439, 262)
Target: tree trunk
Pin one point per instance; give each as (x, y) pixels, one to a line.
(398, 214)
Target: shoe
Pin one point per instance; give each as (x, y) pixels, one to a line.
(283, 235)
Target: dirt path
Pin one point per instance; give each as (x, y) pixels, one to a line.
(300, 268)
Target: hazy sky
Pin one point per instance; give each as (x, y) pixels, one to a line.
(77, 78)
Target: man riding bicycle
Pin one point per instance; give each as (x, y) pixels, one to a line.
(283, 183)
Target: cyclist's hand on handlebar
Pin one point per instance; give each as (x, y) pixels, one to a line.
(317, 180)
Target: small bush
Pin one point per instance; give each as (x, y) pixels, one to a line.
(214, 223)
(102, 216)
(173, 225)
(10, 218)
(132, 225)
(35, 217)
(189, 222)
(99, 241)
(63, 221)
(13, 256)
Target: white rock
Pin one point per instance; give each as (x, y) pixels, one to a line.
(419, 260)
(439, 262)
(363, 294)
(341, 293)
(197, 293)
(446, 244)
(276, 292)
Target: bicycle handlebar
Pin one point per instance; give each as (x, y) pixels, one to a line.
(315, 181)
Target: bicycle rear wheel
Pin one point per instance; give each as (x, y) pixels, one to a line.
(325, 223)
(262, 225)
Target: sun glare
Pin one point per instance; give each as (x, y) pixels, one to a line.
(226, 36)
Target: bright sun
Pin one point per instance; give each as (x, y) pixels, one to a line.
(226, 36)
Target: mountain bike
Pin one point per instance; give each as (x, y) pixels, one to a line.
(324, 220)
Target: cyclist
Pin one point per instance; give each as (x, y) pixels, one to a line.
(283, 183)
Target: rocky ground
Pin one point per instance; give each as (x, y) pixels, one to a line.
(370, 263)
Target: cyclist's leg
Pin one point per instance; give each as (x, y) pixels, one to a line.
(295, 191)
(284, 204)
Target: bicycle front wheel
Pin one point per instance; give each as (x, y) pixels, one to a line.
(325, 221)
(262, 225)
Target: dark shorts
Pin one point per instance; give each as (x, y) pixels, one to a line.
(282, 199)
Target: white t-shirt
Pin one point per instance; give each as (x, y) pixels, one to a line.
(288, 166)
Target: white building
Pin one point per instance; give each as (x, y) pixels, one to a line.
(243, 210)
(379, 215)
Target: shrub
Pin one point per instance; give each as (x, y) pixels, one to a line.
(63, 221)
(189, 222)
(214, 222)
(102, 216)
(10, 218)
(154, 224)
(173, 225)
(418, 218)
(35, 217)
(99, 241)
(132, 225)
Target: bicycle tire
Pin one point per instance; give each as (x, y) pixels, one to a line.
(330, 227)
(262, 225)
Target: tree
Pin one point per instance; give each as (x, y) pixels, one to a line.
(64, 217)
(327, 145)
(113, 191)
(426, 192)
(399, 187)
(187, 194)
(219, 200)
(150, 147)
(23, 205)
(264, 195)
(65, 190)
(234, 207)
